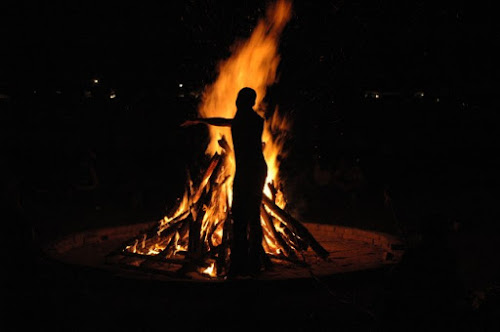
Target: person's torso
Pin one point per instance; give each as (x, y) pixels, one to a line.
(247, 130)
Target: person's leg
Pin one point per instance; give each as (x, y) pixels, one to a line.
(239, 245)
(256, 254)
(255, 250)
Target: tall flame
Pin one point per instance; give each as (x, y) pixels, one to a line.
(253, 64)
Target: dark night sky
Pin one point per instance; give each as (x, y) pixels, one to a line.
(380, 44)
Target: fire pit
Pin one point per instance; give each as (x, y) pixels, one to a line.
(350, 250)
(196, 239)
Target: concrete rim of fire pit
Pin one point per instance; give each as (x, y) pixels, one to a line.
(351, 250)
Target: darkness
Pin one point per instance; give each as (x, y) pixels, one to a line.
(395, 113)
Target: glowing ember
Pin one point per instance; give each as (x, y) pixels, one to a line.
(210, 271)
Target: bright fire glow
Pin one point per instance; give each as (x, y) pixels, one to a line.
(253, 63)
(210, 271)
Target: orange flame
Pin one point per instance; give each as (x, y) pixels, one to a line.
(253, 64)
(211, 270)
(274, 136)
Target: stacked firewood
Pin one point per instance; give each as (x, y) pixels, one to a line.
(185, 228)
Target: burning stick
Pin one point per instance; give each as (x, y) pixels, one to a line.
(292, 238)
(170, 248)
(176, 235)
(154, 232)
(212, 172)
(214, 193)
(167, 225)
(287, 251)
(301, 230)
(208, 173)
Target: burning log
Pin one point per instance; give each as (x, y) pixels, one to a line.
(213, 199)
(183, 233)
(163, 227)
(280, 242)
(170, 248)
(208, 173)
(174, 239)
(199, 209)
(291, 237)
(300, 229)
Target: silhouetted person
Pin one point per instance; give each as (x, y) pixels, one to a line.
(249, 180)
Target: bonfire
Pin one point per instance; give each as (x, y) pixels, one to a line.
(195, 234)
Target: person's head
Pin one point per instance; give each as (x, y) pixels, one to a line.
(246, 98)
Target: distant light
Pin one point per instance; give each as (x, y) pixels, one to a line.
(419, 94)
(437, 100)
(95, 80)
(372, 94)
(34, 92)
(58, 92)
(181, 85)
(112, 95)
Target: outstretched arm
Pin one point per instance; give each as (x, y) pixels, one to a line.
(219, 122)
